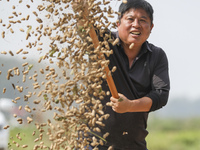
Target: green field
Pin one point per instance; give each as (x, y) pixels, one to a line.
(174, 134)
(20, 136)
(163, 135)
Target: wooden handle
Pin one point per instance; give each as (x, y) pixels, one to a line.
(109, 78)
(95, 41)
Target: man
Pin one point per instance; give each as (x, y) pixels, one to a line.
(141, 78)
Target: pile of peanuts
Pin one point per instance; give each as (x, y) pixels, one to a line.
(76, 102)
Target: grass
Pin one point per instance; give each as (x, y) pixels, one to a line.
(174, 140)
(23, 135)
(174, 135)
(168, 134)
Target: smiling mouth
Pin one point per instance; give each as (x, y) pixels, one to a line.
(135, 33)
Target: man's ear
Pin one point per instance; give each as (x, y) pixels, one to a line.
(117, 23)
(152, 25)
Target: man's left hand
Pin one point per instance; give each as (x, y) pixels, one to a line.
(121, 105)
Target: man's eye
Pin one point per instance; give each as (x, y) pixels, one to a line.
(143, 20)
(131, 19)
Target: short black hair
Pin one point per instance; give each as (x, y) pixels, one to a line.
(135, 4)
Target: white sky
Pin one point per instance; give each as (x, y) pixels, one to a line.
(176, 30)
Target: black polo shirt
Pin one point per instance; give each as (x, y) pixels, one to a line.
(148, 76)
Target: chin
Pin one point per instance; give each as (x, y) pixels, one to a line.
(132, 41)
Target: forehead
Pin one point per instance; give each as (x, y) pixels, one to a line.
(136, 12)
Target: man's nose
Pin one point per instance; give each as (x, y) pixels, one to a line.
(136, 23)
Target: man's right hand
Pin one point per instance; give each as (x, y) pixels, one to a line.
(78, 6)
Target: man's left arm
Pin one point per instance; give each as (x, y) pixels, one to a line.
(155, 99)
(138, 105)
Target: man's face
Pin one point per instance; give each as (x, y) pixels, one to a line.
(135, 27)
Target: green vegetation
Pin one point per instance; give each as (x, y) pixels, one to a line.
(26, 135)
(165, 134)
(174, 134)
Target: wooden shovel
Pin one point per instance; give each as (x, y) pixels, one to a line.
(95, 41)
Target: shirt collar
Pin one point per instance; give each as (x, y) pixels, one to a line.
(146, 46)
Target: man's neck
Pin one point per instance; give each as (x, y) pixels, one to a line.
(131, 53)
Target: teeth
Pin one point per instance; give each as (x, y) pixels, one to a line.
(137, 33)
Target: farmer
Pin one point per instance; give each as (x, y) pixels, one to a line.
(141, 78)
